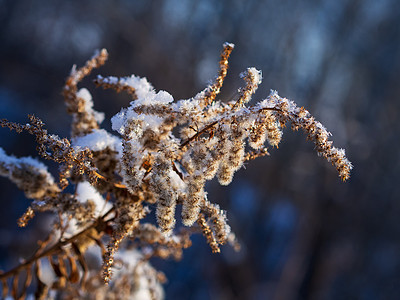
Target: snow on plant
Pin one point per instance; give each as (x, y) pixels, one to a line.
(120, 176)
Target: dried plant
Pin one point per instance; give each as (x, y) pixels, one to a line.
(117, 179)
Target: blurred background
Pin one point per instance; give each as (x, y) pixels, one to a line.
(304, 233)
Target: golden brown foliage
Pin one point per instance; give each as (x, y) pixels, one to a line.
(118, 179)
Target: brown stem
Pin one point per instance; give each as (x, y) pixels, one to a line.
(53, 249)
(198, 134)
(209, 126)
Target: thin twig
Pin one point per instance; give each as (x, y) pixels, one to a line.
(53, 249)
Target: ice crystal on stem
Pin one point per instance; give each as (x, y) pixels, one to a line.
(161, 155)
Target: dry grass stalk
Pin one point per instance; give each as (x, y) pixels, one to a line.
(117, 178)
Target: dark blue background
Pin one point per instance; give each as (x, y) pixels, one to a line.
(304, 234)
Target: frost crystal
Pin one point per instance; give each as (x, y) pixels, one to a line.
(164, 155)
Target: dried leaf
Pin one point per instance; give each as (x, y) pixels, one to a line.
(74, 274)
(82, 262)
(62, 266)
(14, 290)
(27, 282)
(41, 289)
(55, 267)
(4, 284)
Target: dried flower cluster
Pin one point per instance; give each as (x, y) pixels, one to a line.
(119, 178)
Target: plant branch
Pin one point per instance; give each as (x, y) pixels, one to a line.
(55, 248)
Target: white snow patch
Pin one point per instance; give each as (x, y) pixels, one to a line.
(99, 140)
(85, 95)
(177, 183)
(9, 161)
(85, 191)
(141, 85)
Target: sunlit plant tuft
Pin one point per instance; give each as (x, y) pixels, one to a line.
(119, 177)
